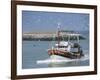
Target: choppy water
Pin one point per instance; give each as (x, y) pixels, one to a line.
(35, 55)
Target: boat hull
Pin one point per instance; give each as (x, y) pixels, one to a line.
(71, 55)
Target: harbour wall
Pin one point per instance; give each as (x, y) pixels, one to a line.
(48, 36)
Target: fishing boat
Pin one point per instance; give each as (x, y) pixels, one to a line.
(68, 49)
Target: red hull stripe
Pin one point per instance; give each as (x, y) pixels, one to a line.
(56, 52)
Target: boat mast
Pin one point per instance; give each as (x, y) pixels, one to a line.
(58, 33)
(78, 43)
(78, 38)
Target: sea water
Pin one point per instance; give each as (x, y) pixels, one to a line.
(35, 55)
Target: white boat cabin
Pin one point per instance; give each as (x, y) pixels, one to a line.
(66, 46)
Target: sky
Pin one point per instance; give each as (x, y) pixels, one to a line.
(41, 21)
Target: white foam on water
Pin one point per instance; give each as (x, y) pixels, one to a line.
(59, 59)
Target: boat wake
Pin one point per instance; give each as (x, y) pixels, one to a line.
(58, 59)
